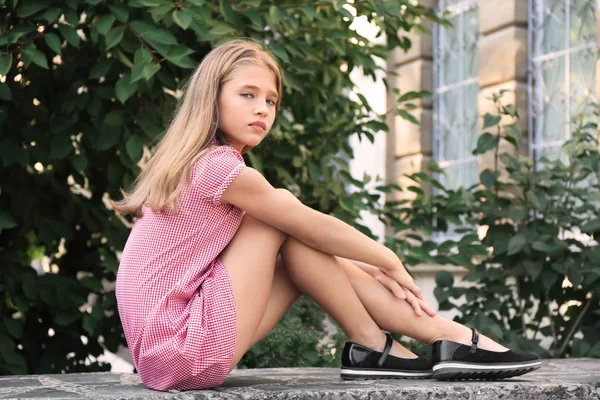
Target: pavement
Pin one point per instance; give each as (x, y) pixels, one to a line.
(557, 379)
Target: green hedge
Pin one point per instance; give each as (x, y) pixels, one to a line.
(88, 86)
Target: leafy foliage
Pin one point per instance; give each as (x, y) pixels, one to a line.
(88, 86)
(535, 272)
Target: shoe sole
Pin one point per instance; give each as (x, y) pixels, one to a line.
(359, 374)
(445, 371)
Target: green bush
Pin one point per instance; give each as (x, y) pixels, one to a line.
(88, 85)
(536, 271)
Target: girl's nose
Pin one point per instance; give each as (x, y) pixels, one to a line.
(261, 109)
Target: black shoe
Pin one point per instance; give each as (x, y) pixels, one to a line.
(459, 361)
(360, 362)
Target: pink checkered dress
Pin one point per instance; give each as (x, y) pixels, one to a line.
(174, 294)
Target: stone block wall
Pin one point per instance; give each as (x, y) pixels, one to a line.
(503, 64)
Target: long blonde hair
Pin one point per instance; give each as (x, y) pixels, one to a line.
(193, 128)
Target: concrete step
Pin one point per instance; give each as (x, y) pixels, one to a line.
(557, 379)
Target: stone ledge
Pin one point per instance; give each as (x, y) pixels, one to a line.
(557, 379)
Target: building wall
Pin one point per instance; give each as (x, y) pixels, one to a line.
(503, 64)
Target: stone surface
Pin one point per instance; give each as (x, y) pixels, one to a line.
(503, 56)
(409, 138)
(421, 46)
(415, 76)
(497, 14)
(409, 165)
(557, 379)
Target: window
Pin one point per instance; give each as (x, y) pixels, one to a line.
(456, 72)
(564, 50)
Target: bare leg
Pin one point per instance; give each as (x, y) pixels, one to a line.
(397, 315)
(320, 276)
(250, 261)
(264, 288)
(283, 295)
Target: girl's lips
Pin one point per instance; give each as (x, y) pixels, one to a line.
(259, 123)
(257, 128)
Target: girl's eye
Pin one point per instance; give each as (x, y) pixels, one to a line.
(247, 95)
(271, 102)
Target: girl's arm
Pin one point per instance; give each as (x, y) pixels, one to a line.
(251, 192)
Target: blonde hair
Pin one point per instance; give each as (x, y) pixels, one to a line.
(193, 128)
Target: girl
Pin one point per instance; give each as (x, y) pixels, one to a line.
(217, 255)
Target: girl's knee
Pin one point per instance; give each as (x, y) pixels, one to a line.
(256, 226)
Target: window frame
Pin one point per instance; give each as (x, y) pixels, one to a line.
(459, 9)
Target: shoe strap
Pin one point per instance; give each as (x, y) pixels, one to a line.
(386, 349)
(474, 341)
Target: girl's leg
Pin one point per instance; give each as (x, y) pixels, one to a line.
(250, 260)
(395, 315)
(320, 276)
(362, 306)
(283, 294)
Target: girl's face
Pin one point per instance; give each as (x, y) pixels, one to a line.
(247, 106)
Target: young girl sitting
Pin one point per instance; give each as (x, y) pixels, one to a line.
(217, 255)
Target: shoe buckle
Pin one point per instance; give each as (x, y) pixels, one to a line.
(474, 341)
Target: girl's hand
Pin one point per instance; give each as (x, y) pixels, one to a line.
(404, 294)
(400, 275)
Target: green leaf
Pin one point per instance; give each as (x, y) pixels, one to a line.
(92, 284)
(150, 69)
(5, 93)
(486, 142)
(53, 41)
(517, 213)
(433, 166)
(591, 226)
(182, 18)
(14, 328)
(545, 247)
(80, 162)
(69, 34)
(516, 244)
(6, 220)
(29, 8)
(100, 69)
(36, 56)
(280, 52)
(135, 148)
(124, 88)
(407, 116)
(221, 28)
(105, 22)
(227, 11)
(414, 95)
(5, 63)
(120, 11)
(64, 318)
(161, 36)
(444, 279)
(310, 12)
(533, 268)
(52, 14)
(6, 345)
(549, 277)
(490, 120)
(114, 36)
(89, 324)
(313, 170)
(489, 178)
(277, 13)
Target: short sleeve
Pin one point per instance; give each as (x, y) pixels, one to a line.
(214, 172)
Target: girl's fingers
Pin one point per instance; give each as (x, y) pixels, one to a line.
(392, 285)
(414, 302)
(425, 307)
(406, 281)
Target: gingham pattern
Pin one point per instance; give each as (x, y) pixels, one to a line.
(174, 294)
